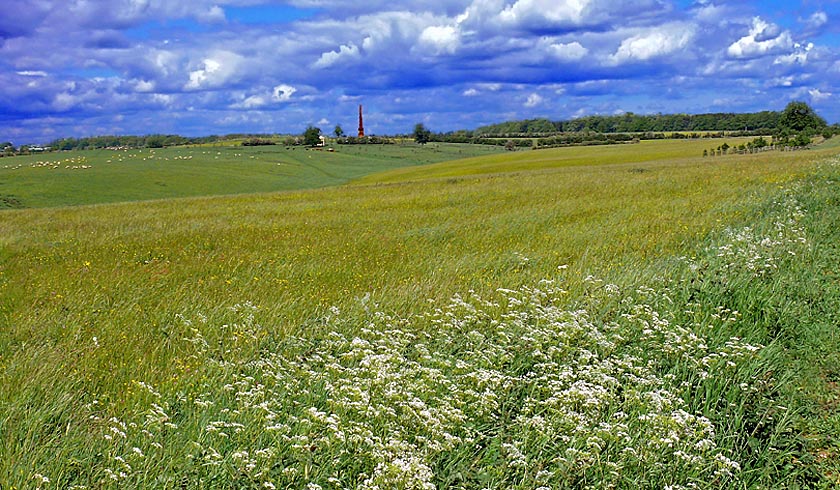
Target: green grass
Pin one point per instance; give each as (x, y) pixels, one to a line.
(105, 176)
(130, 311)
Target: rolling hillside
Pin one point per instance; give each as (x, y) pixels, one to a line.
(647, 318)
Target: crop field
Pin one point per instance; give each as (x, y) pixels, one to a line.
(633, 316)
(103, 176)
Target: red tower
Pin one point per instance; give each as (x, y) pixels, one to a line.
(361, 123)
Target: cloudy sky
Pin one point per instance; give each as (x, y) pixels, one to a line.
(200, 67)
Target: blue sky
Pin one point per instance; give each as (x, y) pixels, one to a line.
(200, 67)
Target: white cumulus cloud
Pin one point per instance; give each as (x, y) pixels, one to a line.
(440, 39)
(568, 52)
(817, 20)
(215, 71)
(533, 100)
(798, 56)
(279, 94)
(348, 51)
(252, 102)
(64, 101)
(144, 86)
(818, 95)
(283, 93)
(764, 38)
(655, 42)
(550, 11)
(212, 14)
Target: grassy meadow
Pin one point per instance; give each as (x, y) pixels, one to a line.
(648, 319)
(104, 176)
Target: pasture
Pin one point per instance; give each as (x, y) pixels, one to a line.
(650, 318)
(104, 176)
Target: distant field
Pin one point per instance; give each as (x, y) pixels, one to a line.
(103, 176)
(523, 160)
(629, 316)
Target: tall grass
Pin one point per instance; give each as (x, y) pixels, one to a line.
(317, 339)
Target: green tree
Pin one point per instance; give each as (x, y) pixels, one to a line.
(155, 141)
(338, 131)
(421, 134)
(312, 136)
(801, 139)
(799, 116)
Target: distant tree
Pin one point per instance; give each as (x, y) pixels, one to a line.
(338, 131)
(801, 139)
(510, 145)
(257, 142)
(155, 141)
(799, 116)
(421, 134)
(312, 136)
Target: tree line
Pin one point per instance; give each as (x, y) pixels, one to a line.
(795, 126)
(634, 123)
(797, 116)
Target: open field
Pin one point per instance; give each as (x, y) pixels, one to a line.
(103, 176)
(523, 160)
(281, 340)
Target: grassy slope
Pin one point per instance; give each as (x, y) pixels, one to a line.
(132, 175)
(115, 267)
(523, 160)
(121, 273)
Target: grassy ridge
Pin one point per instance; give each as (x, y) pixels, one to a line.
(104, 176)
(109, 311)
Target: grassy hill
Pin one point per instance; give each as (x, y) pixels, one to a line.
(648, 318)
